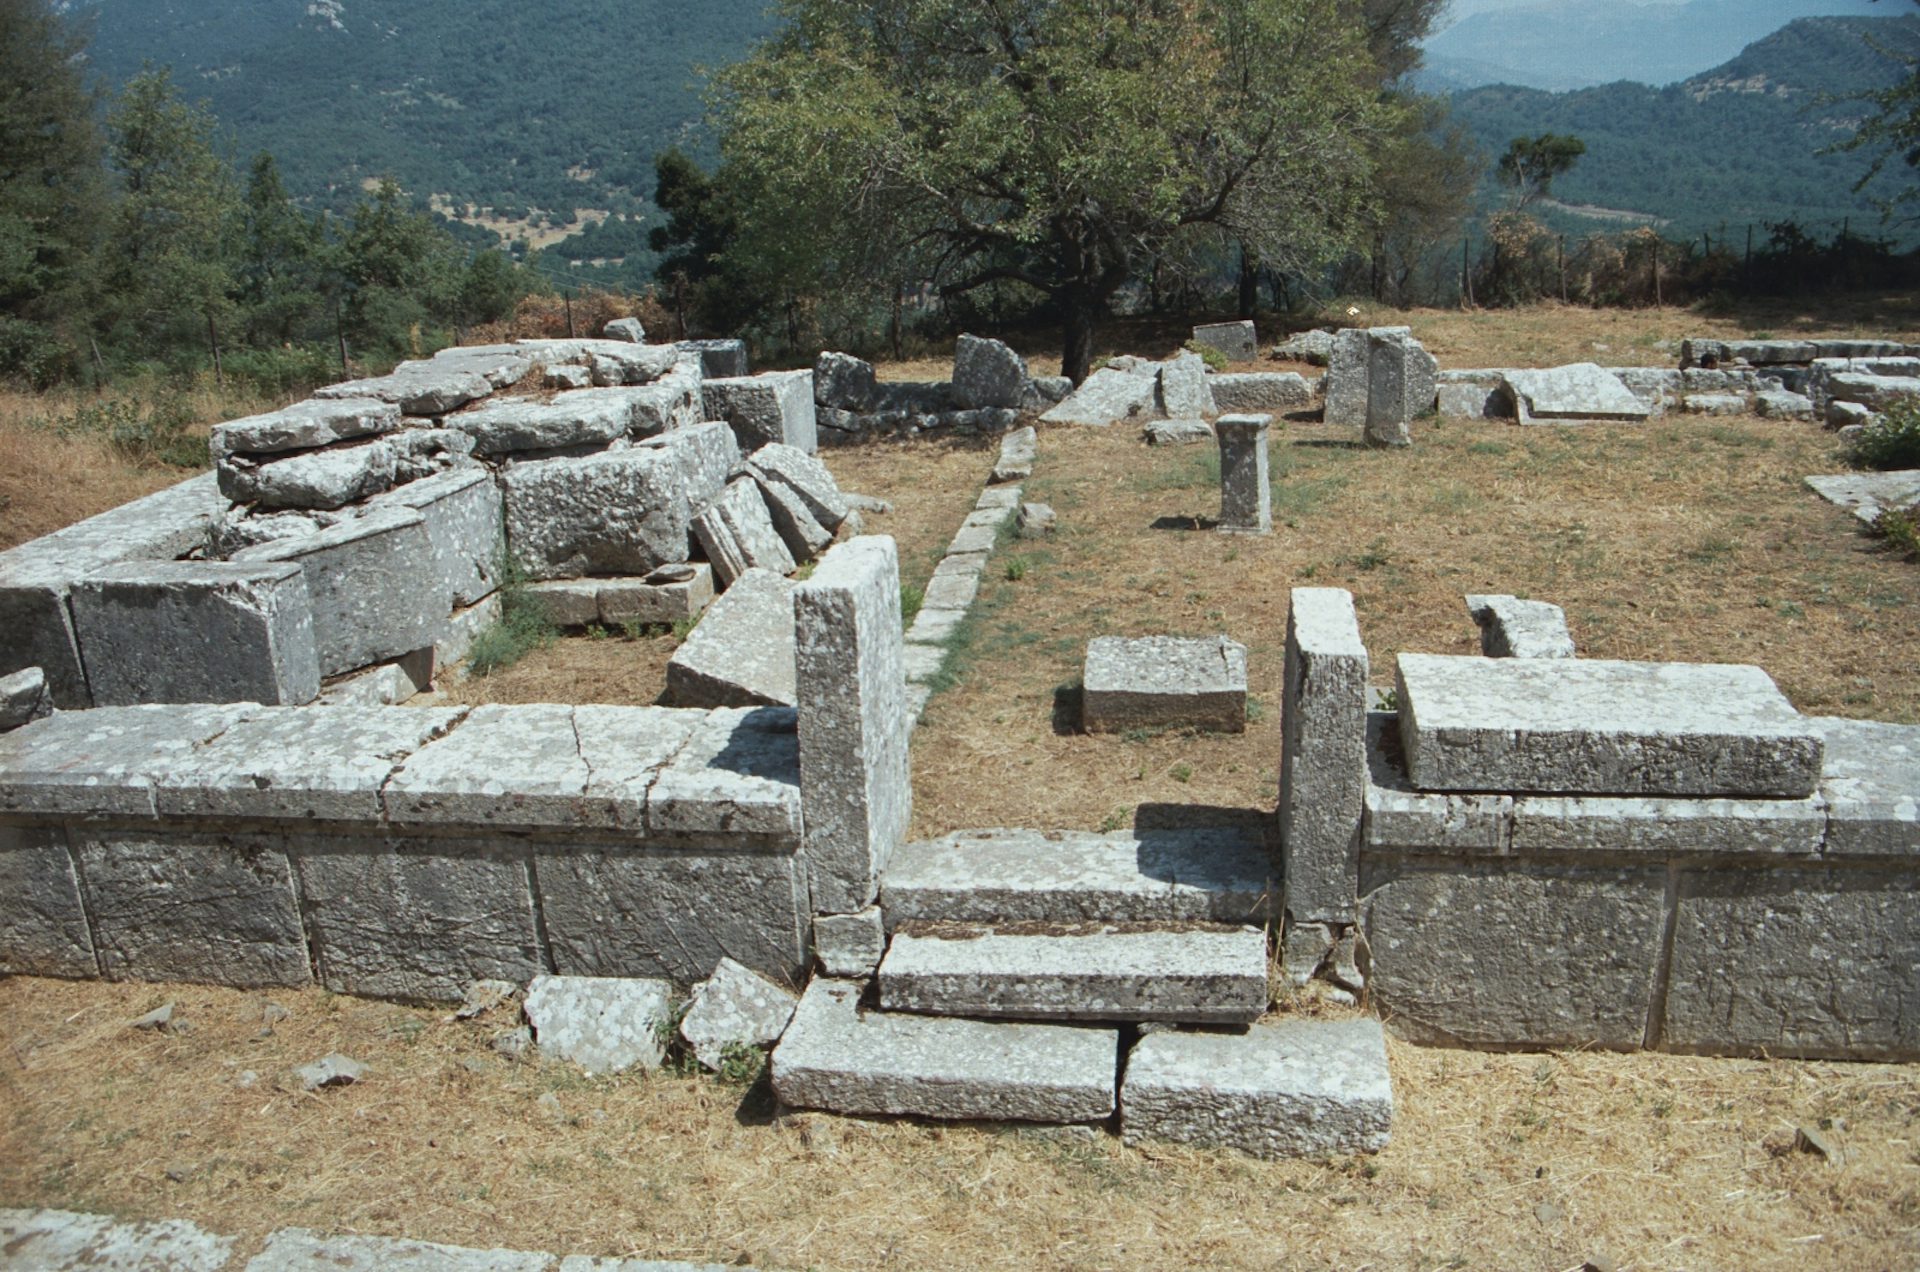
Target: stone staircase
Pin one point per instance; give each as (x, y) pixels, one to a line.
(1066, 976)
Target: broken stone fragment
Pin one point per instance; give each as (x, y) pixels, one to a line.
(334, 1070)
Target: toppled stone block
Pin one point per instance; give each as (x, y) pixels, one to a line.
(24, 698)
(1594, 727)
(1293, 1088)
(1246, 503)
(1871, 787)
(1107, 396)
(330, 478)
(1234, 339)
(43, 925)
(740, 654)
(1513, 628)
(850, 945)
(738, 535)
(735, 1007)
(777, 406)
(62, 1241)
(1178, 432)
(629, 329)
(1164, 682)
(463, 513)
(804, 536)
(809, 479)
(671, 594)
(835, 1056)
(719, 359)
(1259, 391)
(304, 426)
(197, 631)
(615, 513)
(1323, 761)
(1185, 386)
(987, 373)
(844, 382)
(1581, 391)
(1018, 451)
(587, 417)
(602, 1024)
(418, 388)
(1314, 347)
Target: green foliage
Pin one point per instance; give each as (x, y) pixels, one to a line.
(911, 598)
(1017, 568)
(1901, 530)
(741, 1065)
(160, 432)
(1529, 166)
(524, 625)
(1892, 441)
(1215, 360)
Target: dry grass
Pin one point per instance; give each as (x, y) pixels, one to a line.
(1498, 1161)
(607, 667)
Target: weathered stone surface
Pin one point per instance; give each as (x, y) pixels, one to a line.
(1051, 389)
(1035, 520)
(419, 918)
(1513, 628)
(1581, 391)
(383, 684)
(738, 534)
(735, 1007)
(602, 1024)
(418, 388)
(1323, 761)
(240, 528)
(805, 537)
(1401, 819)
(1871, 787)
(671, 594)
(835, 1056)
(614, 362)
(1164, 682)
(986, 373)
(1246, 505)
(1595, 727)
(1009, 876)
(1867, 495)
(1257, 391)
(197, 631)
(1699, 352)
(62, 1241)
(1293, 1088)
(24, 698)
(1715, 404)
(737, 776)
(303, 426)
(808, 478)
(740, 654)
(1876, 392)
(854, 769)
(1680, 827)
(1805, 962)
(1314, 347)
(850, 944)
(673, 913)
(1178, 432)
(513, 766)
(629, 329)
(498, 364)
(465, 532)
(463, 626)
(935, 626)
(1465, 400)
(103, 762)
(614, 513)
(1391, 394)
(420, 453)
(1781, 405)
(1018, 451)
(719, 359)
(330, 478)
(211, 908)
(1235, 339)
(43, 927)
(1051, 971)
(1304, 948)
(844, 382)
(297, 1250)
(1346, 379)
(776, 406)
(980, 532)
(1184, 386)
(569, 377)
(1107, 396)
(1493, 954)
(584, 417)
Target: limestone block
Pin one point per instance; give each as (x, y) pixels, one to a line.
(629, 329)
(995, 497)
(737, 533)
(980, 532)
(1235, 339)
(1866, 495)
(1545, 824)
(514, 766)
(304, 426)
(850, 944)
(1106, 397)
(569, 377)
(738, 775)
(620, 512)
(215, 909)
(615, 363)
(1595, 727)
(671, 594)
(836, 1057)
(1814, 962)
(1018, 450)
(1199, 974)
(1031, 876)
(1323, 761)
(1581, 391)
(1246, 505)
(1488, 954)
(669, 404)
(708, 458)
(719, 359)
(463, 626)
(364, 577)
(1513, 628)
(1390, 392)
(844, 382)
(1346, 379)
(585, 417)
(463, 515)
(1050, 390)
(1781, 405)
(420, 453)
(498, 364)
(1164, 682)
(740, 654)
(24, 698)
(805, 537)
(1293, 1088)
(384, 684)
(808, 478)
(776, 406)
(62, 1241)
(934, 626)
(418, 918)
(602, 1024)
(921, 663)
(418, 388)
(1184, 386)
(627, 749)
(1314, 347)
(298, 1250)
(1178, 432)
(1259, 391)
(330, 478)
(43, 926)
(102, 763)
(1304, 948)
(1715, 404)
(855, 775)
(1036, 520)
(1401, 819)
(197, 631)
(673, 913)
(986, 373)
(1871, 787)
(735, 1007)
(1877, 392)
(240, 528)
(1469, 401)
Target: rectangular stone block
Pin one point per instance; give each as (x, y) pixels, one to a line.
(1670, 827)
(1871, 787)
(583, 417)
(330, 478)
(1595, 727)
(1185, 388)
(1107, 396)
(619, 512)
(741, 652)
(384, 684)
(1495, 954)
(1513, 628)
(304, 426)
(736, 782)
(418, 919)
(850, 944)
(1582, 391)
(837, 1057)
(103, 763)
(1164, 682)
(855, 775)
(1346, 379)
(43, 926)
(673, 913)
(737, 533)
(809, 479)
(567, 602)
(424, 387)
(209, 908)
(1293, 1088)
(671, 594)
(719, 359)
(776, 406)
(365, 578)
(1400, 819)
(708, 458)
(1814, 962)
(1260, 391)
(1234, 339)
(1246, 503)
(1390, 391)
(466, 533)
(1323, 759)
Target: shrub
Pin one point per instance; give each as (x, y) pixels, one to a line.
(1215, 360)
(160, 434)
(524, 626)
(1893, 440)
(1901, 530)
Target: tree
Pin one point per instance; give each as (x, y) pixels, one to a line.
(400, 270)
(1055, 144)
(1428, 171)
(1891, 131)
(1531, 163)
(281, 265)
(695, 246)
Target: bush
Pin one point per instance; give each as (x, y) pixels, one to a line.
(1901, 530)
(1215, 360)
(1893, 440)
(524, 626)
(281, 372)
(160, 434)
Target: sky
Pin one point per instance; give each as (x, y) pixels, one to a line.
(1812, 8)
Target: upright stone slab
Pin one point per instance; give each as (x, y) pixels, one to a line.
(741, 653)
(1246, 505)
(1390, 407)
(621, 512)
(808, 478)
(777, 406)
(1346, 379)
(1323, 759)
(1513, 628)
(987, 373)
(1185, 390)
(854, 727)
(197, 631)
(1234, 339)
(719, 359)
(43, 926)
(1596, 727)
(738, 534)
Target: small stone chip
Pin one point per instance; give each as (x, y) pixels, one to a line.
(334, 1070)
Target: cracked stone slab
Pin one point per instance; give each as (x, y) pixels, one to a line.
(1291, 1088)
(1515, 628)
(602, 1024)
(43, 923)
(838, 1057)
(1580, 391)
(1108, 396)
(63, 1241)
(1596, 727)
(1165, 682)
(323, 479)
(503, 766)
(103, 762)
(1049, 971)
(624, 749)
(737, 533)
(1871, 786)
(299, 1250)
(617, 512)
(735, 1007)
(304, 426)
(738, 774)
(741, 652)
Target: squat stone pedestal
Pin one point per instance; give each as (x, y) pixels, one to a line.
(1164, 682)
(1245, 499)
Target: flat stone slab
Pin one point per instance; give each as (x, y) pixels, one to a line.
(1871, 787)
(1867, 495)
(62, 1241)
(838, 1057)
(304, 425)
(1183, 432)
(1260, 391)
(603, 1024)
(1401, 819)
(1106, 397)
(738, 775)
(1581, 391)
(620, 512)
(1050, 971)
(1515, 628)
(298, 1250)
(1000, 876)
(735, 1007)
(1165, 682)
(740, 654)
(1594, 727)
(1291, 1088)
(102, 762)
(419, 388)
(1545, 824)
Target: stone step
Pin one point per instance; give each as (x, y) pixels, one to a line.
(1164, 876)
(844, 1059)
(1200, 974)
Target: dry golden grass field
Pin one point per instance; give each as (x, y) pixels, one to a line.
(1687, 538)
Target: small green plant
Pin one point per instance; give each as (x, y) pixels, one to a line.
(1901, 530)
(1216, 360)
(911, 598)
(158, 434)
(1115, 820)
(741, 1065)
(524, 625)
(1893, 440)
(1389, 700)
(1016, 568)
(1181, 773)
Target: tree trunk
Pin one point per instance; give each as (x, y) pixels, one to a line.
(1076, 356)
(1249, 283)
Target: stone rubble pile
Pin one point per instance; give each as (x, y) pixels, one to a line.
(990, 391)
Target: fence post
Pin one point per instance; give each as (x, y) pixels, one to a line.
(568, 296)
(1560, 253)
(213, 343)
(1466, 270)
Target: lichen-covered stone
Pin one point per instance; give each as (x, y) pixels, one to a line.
(330, 478)
(1260, 392)
(738, 534)
(741, 653)
(304, 425)
(1234, 339)
(735, 1007)
(1185, 387)
(850, 945)
(103, 763)
(1871, 787)
(1246, 504)
(621, 512)
(738, 775)
(1106, 397)
(462, 512)
(1164, 682)
(987, 373)
(1515, 628)
(777, 406)
(602, 1024)
(43, 926)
